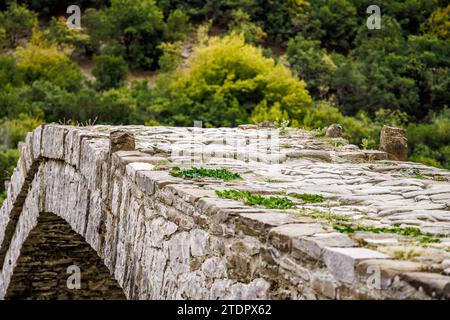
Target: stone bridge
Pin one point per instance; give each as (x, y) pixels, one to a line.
(102, 200)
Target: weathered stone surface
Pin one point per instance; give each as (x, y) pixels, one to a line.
(394, 142)
(313, 246)
(342, 261)
(334, 131)
(162, 237)
(121, 140)
(435, 285)
(281, 237)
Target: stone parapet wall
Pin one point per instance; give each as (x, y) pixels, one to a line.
(163, 237)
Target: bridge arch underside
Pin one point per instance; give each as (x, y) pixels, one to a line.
(49, 262)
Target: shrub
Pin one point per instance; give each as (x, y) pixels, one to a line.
(110, 72)
(17, 21)
(429, 142)
(227, 81)
(43, 61)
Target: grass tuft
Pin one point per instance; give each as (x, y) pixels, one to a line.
(309, 198)
(256, 199)
(198, 173)
(408, 231)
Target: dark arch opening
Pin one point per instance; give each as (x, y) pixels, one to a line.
(46, 265)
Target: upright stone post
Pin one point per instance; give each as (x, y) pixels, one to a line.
(393, 141)
(121, 140)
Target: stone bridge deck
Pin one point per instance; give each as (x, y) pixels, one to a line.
(135, 231)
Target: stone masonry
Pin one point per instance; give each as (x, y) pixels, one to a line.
(155, 236)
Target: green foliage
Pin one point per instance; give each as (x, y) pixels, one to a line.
(438, 23)
(43, 61)
(198, 173)
(256, 199)
(97, 28)
(9, 73)
(241, 24)
(135, 29)
(177, 26)
(308, 198)
(227, 82)
(312, 64)
(110, 72)
(12, 131)
(407, 231)
(328, 216)
(8, 161)
(429, 142)
(17, 21)
(2, 197)
(171, 55)
(333, 22)
(65, 37)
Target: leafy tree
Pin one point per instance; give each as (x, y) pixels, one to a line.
(12, 131)
(241, 23)
(43, 61)
(438, 23)
(97, 28)
(8, 161)
(55, 102)
(110, 72)
(17, 21)
(177, 26)
(171, 55)
(136, 30)
(281, 19)
(312, 64)
(333, 22)
(9, 72)
(116, 106)
(225, 82)
(3, 39)
(429, 142)
(65, 37)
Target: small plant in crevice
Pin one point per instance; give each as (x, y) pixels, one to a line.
(282, 126)
(407, 231)
(413, 172)
(319, 132)
(252, 199)
(406, 254)
(195, 173)
(308, 198)
(328, 216)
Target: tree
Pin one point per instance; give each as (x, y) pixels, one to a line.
(241, 23)
(438, 23)
(136, 30)
(65, 37)
(41, 60)
(333, 22)
(17, 21)
(110, 72)
(312, 64)
(226, 81)
(177, 26)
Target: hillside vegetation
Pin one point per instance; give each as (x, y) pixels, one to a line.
(228, 62)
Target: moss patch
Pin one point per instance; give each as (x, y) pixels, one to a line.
(198, 173)
(309, 198)
(256, 199)
(409, 231)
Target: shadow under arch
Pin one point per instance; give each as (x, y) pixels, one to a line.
(41, 271)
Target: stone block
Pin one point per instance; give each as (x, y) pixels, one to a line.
(342, 261)
(435, 285)
(313, 246)
(281, 237)
(54, 137)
